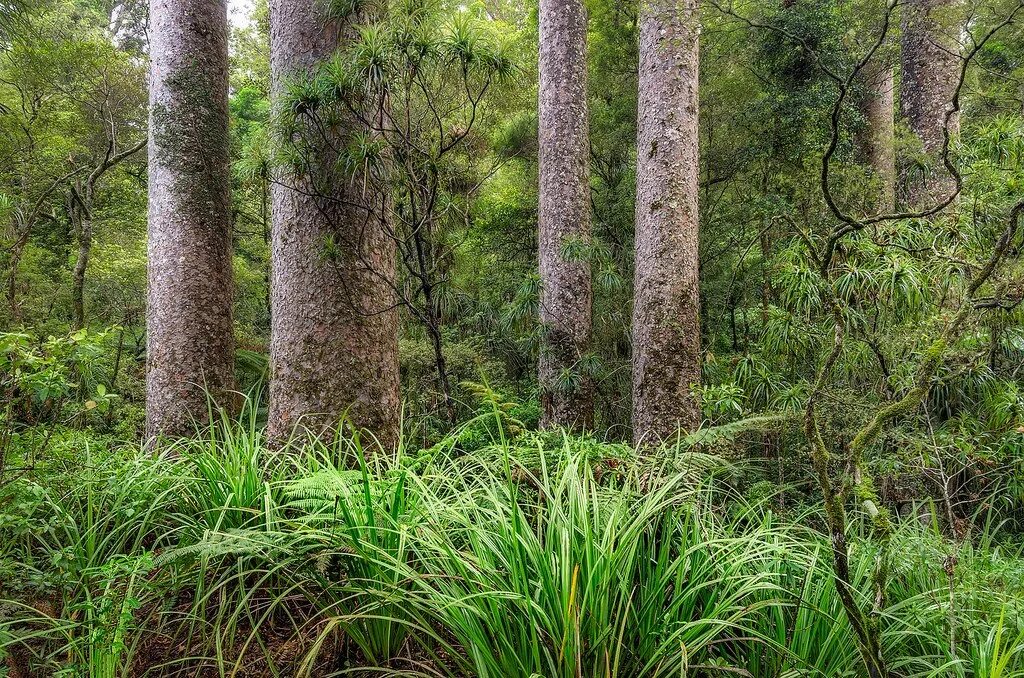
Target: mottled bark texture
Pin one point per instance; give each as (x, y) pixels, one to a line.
(877, 140)
(930, 65)
(564, 216)
(190, 344)
(334, 322)
(666, 326)
(81, 223)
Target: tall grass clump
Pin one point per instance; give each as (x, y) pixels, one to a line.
(356, 527)
(533, 555)
(553, 573)
(230, 471)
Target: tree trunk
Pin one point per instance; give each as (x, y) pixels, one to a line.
(440, 362)
(666, 322)
(114, 372)
(564, 216)
(80, 214)
(83, 230)
(334, 324)
(190, 343)
(930, 72)
(878, 138)
(17, 251)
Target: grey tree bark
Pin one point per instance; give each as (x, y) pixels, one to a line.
(564, 214)
(190, 343)
(81, 223)
(878, 138)
(334, 320)
(930, 64)
(666, 322)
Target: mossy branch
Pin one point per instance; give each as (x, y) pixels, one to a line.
(935, 353)
(866, 625)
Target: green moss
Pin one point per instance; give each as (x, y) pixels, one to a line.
(191, 134)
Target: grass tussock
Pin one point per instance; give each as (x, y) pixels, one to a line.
(545, 556)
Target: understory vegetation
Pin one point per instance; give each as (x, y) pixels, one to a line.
(496, 552)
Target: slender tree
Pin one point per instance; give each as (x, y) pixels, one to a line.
(81, 199)
(334, 320)
(930, 64)
(666, 324)
(877, 140)
(564, 217)
(190, 345)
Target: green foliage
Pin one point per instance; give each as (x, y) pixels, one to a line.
(483, 546)
(60, 381)
(37, 375)
(550, 556)
(230, 490)
(81, 546)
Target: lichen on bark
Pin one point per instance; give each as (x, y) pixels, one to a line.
(930, 65)
(564, 215)
(666, 326)
(190, 344)
(877, 139)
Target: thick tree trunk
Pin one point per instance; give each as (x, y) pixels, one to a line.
(564, 217)
(190, 344)
(930, 71)
(334, 322)
(666, 324)
(878, 138)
